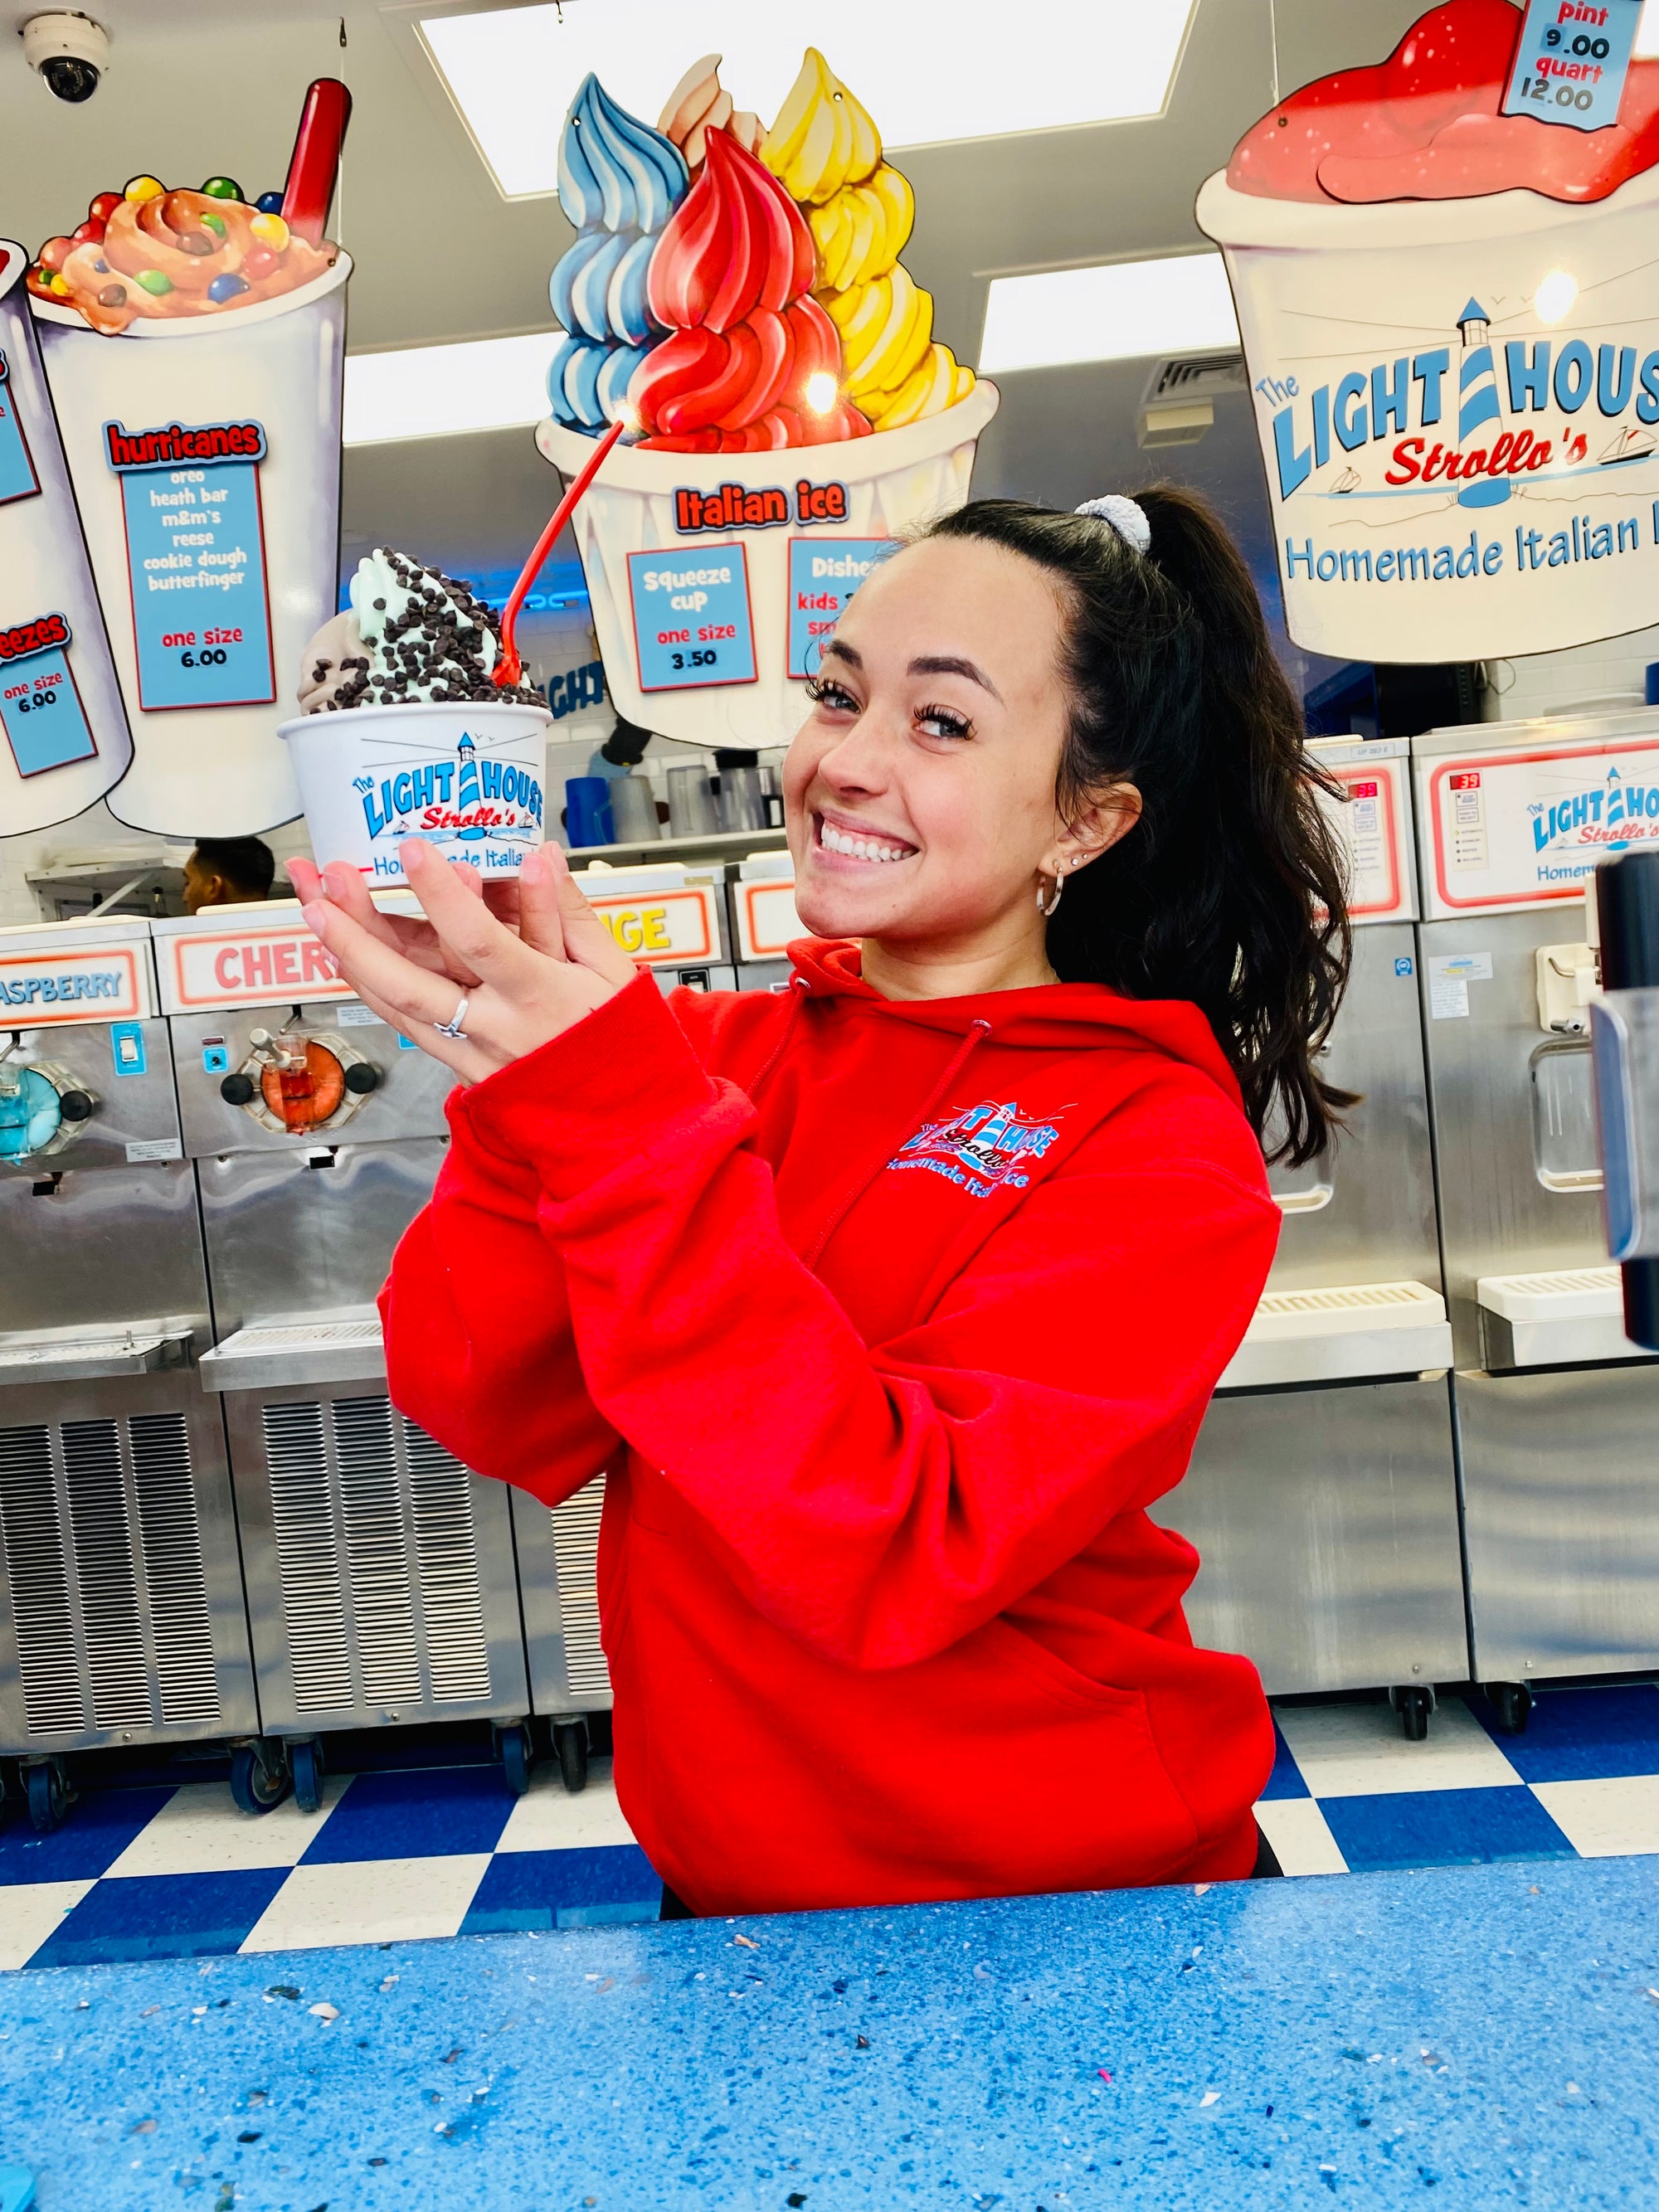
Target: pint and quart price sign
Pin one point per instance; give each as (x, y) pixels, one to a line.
(17, 476)
(41, 709)
(1570, 62)
(692, 624)
(196, 562)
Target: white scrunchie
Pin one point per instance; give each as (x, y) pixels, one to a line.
(1124, 516)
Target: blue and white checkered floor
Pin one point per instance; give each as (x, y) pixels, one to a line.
(175, 1871)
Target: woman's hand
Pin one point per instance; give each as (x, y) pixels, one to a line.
(530, 965)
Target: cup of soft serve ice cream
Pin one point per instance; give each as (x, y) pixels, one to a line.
(1450, 317)
(403, 732)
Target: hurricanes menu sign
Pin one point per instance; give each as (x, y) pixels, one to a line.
(196, 562)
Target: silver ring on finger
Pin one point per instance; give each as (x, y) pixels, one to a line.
(452, 1029)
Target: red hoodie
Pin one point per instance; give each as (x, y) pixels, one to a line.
(889, 1319)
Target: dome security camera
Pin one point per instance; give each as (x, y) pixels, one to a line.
(69, 51)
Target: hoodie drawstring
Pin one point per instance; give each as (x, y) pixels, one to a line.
(978, 1030)
(799, 990)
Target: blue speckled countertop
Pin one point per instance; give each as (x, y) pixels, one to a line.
(1479, 2036)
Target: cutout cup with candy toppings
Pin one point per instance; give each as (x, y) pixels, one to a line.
(736, 297)
(193, 341)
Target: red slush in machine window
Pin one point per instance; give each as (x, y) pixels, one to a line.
(302, 1098)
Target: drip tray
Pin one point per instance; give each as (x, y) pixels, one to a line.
(83, 1355)
(337, 1347)
(1554, 1317)
(1344, 1333)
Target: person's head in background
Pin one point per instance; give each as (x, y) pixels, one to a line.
(227, 872)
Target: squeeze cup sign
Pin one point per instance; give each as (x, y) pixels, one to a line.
(735, 295)
(1450, 305)
(64, 739)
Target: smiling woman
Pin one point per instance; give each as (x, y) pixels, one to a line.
(890, 1304)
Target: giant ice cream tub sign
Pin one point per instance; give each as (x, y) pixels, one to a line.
(1449, 296)
(737, 296)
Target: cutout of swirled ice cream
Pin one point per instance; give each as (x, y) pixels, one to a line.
(619, 182)
(412, 636)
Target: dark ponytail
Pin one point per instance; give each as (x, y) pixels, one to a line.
(1229, 891)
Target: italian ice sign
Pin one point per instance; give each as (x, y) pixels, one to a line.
(1451, 315)
(64, 739)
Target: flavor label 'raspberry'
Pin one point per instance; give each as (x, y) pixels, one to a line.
(196, 562)
(823, 574)
(691, 619)
(1570, 61)
(45, 721)
(17, 476)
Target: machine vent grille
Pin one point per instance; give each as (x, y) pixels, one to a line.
(355, 1485)
(308, 1557)
(1354, 1298)
(377, 1551)
(576, 1552)
(446, 1548)
(37, 1575)
(105, 1572)
(171, 1534)
(1562, 1279)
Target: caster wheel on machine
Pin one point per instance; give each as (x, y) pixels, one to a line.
(1414, 1707)
(570, 1737)
(259, 1776)
(1512, 1704)
(513, 1744)
(48, 1791)
(306, 1756)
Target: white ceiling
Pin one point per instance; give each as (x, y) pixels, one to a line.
(200, 87)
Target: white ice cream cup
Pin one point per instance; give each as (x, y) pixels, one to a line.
(44, 570)
(1341, 306)
(469, 781)
(213, 771)
(893, 481)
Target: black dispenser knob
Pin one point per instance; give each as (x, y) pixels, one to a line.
(76, 1105)
(362, 1078)
(236, 1089)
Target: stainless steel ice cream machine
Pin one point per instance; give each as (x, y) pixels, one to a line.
(121, 1611)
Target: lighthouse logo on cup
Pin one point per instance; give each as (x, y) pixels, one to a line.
(467, 779)
(1450, 319)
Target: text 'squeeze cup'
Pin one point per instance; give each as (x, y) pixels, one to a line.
(45, 989)
(194, 519)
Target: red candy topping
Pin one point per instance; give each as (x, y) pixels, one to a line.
(731, 279)
(1427, 125)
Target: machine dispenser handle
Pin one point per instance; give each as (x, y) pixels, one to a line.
(1627, 909)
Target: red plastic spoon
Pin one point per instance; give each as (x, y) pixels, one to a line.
(314, 165)
(508, 668)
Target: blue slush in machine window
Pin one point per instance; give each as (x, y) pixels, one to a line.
(29, 1114)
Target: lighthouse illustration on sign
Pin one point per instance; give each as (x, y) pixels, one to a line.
(1476, 400)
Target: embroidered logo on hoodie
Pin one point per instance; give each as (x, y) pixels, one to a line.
(985, 1149)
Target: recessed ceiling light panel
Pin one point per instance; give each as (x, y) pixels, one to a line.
(512, 71)
(1113, 311)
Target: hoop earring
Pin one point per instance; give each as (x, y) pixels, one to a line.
(1049, 906)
